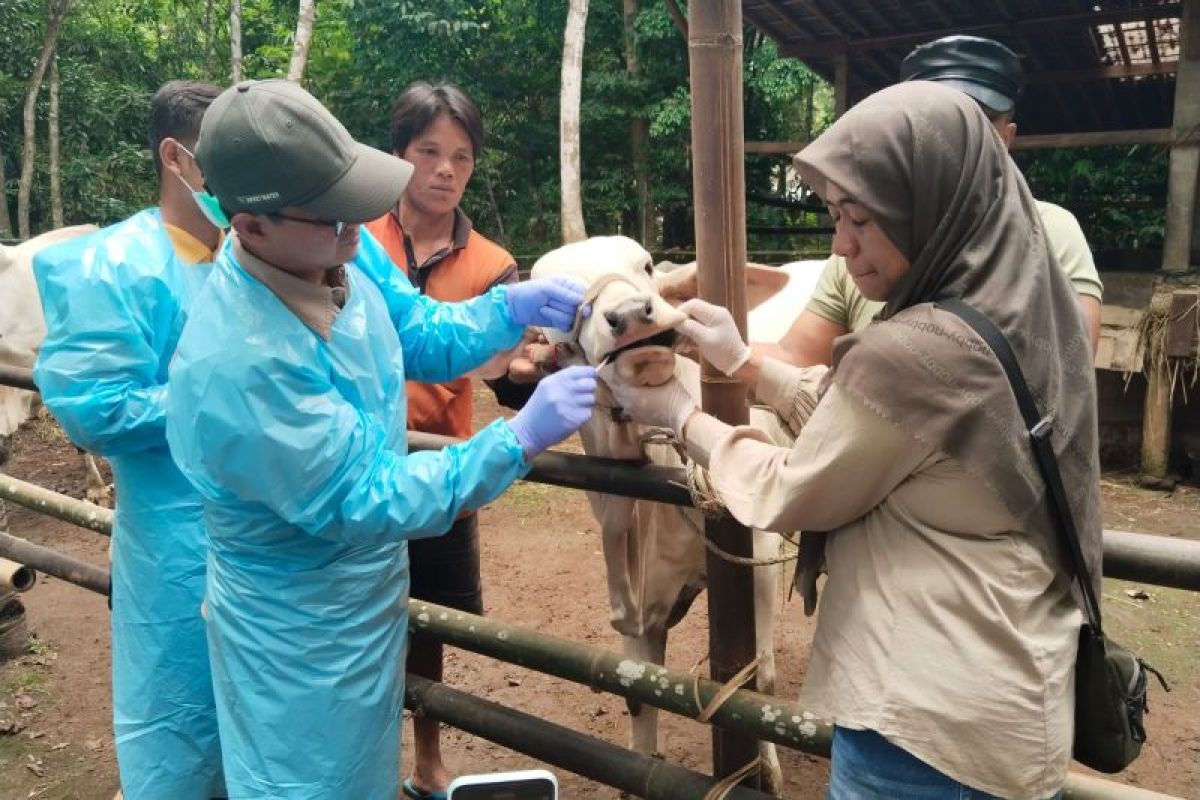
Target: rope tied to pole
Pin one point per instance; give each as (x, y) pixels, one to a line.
(705, 713)
(706, 500)
(722, 789)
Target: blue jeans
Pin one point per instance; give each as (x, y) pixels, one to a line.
(868, 767)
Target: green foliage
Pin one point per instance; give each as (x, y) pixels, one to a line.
(1116, 192)
(507, 54)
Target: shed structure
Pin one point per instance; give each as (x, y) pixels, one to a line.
(1098, 72)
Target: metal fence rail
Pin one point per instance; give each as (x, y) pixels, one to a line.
(1145, 558)
(746, 712)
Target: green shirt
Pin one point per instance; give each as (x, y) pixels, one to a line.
(836, 299)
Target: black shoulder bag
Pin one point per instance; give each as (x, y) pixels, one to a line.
(1110, 682)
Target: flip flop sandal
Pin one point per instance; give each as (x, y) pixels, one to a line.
(411, 790)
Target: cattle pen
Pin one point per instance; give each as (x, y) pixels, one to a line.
(739, 717)
(1148, 559)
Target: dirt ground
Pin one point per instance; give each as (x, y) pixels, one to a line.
(542, 568)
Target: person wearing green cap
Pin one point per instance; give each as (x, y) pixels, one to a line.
(286, 410)
(991, 75)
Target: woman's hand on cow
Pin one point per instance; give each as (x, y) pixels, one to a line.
(667, 406)
(547, 302)
(713, 330)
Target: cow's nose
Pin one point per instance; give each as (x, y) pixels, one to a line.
(648, 311)
(615, 321)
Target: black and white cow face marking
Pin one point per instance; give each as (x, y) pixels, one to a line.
(631, 328)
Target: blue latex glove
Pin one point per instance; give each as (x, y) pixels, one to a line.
(560, 404)
(547, 302)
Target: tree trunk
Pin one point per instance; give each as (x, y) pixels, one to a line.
(679, 18)
(639, 136)
(55, 13)
(568, 126)
(208, 40)
(487, 180)
(807, 119)
(56, 204)
(6, 227)
(235, 41)
(304, 26)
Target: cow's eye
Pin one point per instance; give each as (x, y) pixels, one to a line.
(649, 269)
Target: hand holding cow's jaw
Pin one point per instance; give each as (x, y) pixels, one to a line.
(667, 405)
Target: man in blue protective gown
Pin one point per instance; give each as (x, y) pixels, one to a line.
(115, 303)
(287, 412)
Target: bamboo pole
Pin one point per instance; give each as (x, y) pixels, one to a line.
(609, 475)
(718, 181)
(639, 775)
(1155, 560)
(77, 512)
(1181, 235)
(646, 777)
(52, 562)
(17, 377)
(747, 712)
(16, 577)
(1141, 557)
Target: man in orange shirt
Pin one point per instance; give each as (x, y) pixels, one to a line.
(438, 129)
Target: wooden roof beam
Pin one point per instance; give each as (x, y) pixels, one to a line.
(842, 52)
(1154, 136)
(825, 49)
(1108, 73)
(943, 14)
(1152, 41)
(1123, 45)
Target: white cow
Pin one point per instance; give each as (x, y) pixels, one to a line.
(22, 329)
(653, 552)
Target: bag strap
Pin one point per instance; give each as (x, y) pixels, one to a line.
(1040, 429)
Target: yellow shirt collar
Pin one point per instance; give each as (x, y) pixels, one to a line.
(189, 248)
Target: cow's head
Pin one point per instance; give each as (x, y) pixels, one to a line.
(631, 326)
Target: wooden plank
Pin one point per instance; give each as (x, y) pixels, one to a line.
(1092, 139)
(1181, 340)
(775, 148)
(1054, 140)
(828, 48)
(1112, 316)
(1108, 72)
(1119, 350)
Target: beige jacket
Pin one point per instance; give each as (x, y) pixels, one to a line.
(940, 626)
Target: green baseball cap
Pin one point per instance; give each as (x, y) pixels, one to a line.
(267, 145)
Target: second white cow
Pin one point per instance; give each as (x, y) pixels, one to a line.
(22, 329)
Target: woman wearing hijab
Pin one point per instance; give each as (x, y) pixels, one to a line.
(946, 640)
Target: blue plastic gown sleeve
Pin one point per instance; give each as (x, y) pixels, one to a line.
(441, 341)
(279, 434)
(98, 369)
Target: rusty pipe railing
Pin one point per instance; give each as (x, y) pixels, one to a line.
(787, 723)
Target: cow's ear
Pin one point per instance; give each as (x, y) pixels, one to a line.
(678, 284)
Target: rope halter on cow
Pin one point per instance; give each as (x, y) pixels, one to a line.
(590, 296)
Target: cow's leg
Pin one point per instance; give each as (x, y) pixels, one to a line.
(98, 491)
(766, 605)
(643, 719)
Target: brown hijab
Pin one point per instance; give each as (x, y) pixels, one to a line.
(925, 162)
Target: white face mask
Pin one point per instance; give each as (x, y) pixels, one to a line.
(209, 206)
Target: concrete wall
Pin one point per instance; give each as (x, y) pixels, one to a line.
(1121, 425)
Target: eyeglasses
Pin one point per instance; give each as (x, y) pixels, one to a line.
(338, 227)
